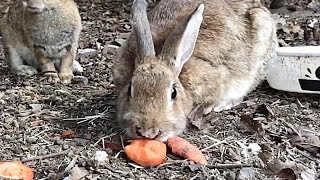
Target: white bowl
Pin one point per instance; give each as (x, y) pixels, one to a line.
(295, 69)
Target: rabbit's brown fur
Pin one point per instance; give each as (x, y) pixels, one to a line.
(42, 35)
(235, 39)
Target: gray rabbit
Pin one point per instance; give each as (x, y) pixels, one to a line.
(189, 52)
(42, 36)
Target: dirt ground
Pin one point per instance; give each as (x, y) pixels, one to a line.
(60, 131)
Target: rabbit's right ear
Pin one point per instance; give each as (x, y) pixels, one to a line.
(180, 44)
(141, 28)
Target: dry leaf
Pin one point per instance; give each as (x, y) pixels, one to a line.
(251, 124)
(77, 173)
(304, 139)
(246, 173)
(265, 110)
(273, 164)
(116, 147)
(287, 174)
(308, 174)
(68, 134)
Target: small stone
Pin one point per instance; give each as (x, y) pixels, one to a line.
(81, 142)
(231, 176)
(54, 148)
(131, 175)
(7, 137)
(31, 139)
(18, 151)
(65, 146)
(33, 148)
(25, 83)
(315, 104)
(58, 142)
(42, 152)
(307, 111)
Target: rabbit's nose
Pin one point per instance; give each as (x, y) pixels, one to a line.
(150, 133)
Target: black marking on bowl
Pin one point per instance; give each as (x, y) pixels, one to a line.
(318, 72)
(309, 85)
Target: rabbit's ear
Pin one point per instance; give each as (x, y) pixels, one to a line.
(141, 28)
(181, 42)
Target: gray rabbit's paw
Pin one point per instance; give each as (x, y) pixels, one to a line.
(207, 110)
(66, 77)
(53, 76)
(223, 106)
(25, 70)
(228, 104)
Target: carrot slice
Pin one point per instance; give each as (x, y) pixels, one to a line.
(182, 147)
(16, 169)
(146, 152)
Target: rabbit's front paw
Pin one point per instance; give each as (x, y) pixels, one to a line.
(53, 76)
(207, 110)
(25, 70)
(223, 106)
(66, 77)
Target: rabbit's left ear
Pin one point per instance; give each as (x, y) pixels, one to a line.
(181, 42)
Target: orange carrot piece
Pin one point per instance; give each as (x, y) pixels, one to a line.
(146, 152)
(182, 147)
(16, 169)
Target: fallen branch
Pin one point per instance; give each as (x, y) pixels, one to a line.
(228, 166)
(45, 156)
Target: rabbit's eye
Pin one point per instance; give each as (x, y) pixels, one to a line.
(174, 93)
(129, 90)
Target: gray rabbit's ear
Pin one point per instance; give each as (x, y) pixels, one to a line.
(180, 44)
(141, 28)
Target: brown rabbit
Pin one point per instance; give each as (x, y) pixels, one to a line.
(42, 35)
(193, 52)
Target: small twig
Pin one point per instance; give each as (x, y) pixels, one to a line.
(136, 166)
(103, 138)
(300, 104)
(88, 118)
(122, 144)
(71, 164)
(114, 170)
(216, 144)
(117, 155)
(194, 177)
(45, 156)
(172, 162)
(228, 166)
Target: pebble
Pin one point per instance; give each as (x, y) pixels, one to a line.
(31, 139)
(307, 111)
(33, 148)
(80, 142)
(54, 148)
(42, 152)
(58, 141)
(315, 104)
(7, 137)
(18, 151)
(25, 83)
(65, 146)
(231, 176)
